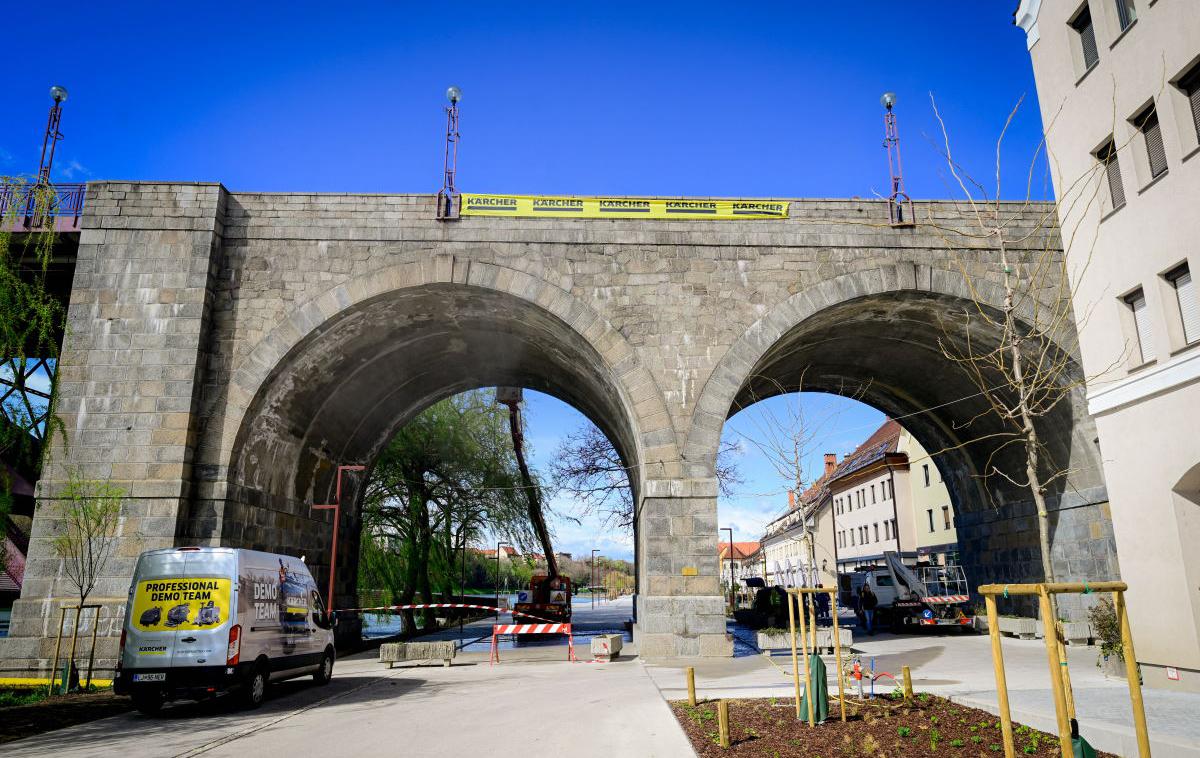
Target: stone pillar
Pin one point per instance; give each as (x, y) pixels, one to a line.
(129, 377)
(681, 611)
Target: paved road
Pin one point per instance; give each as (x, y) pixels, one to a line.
(533, 704)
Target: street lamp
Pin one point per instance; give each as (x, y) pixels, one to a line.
(593, 579)
(447, 199)
(730, 530)
(898, 200)
(53, 135)
(498, 544)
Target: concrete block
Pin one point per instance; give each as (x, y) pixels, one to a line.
(605, 647)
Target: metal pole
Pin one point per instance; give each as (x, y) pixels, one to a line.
(1132, 676)
(730, 530)
(1060, 700)
(50, 142)
(1001, 684)
(336, 507)
(593, 579)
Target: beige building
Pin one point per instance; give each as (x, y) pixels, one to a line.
(935, 538)
(874, 501)
(1119, 87)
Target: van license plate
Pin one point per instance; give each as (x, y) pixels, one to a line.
(159, 677)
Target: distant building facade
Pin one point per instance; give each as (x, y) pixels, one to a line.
(887, 495)
(744, 559)
(1119, 86)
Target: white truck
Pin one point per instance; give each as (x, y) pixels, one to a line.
(922, 596)
(202, 621)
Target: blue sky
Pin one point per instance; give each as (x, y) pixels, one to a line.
(760, 100)
(773, 99)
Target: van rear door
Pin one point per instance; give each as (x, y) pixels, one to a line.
(150, 642)
(202, 603)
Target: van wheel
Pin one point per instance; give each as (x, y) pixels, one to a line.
(323, 674)
(148, 703)
(255, 691)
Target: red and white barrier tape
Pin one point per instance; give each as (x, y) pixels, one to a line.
(421, 606)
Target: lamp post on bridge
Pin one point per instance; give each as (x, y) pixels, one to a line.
(447, 199)
(53, 135)
(898, 200)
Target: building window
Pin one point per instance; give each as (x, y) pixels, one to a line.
(877, 532)
(1126, 13)
(946, 516)
(930, 514)
(887, 530)
(873, 500)
(895, 534)
(1190, 84)
(1107, 155)
(1136, 302)
(1185, 293)
(1087, 37)
(1147, 124)
(925, 467)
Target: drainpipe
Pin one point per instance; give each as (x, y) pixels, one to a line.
(895, 516)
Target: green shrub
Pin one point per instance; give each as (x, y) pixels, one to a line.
(1103, 617)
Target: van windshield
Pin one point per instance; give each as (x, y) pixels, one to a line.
(883, 581)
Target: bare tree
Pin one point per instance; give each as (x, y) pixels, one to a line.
(587, 467)
(1025, 366)
(91, 512)
(786, 435)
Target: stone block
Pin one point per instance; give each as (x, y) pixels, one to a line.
(605, 647)
(392, 653)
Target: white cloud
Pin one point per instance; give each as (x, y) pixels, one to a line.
(73, 169)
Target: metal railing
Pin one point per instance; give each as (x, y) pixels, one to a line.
(30, 208)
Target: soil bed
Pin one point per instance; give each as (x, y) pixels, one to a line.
(18, 721)
(924, 726)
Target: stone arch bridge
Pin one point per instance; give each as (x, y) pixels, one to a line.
(227, 351)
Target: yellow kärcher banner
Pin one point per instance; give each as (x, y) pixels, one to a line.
(552, 206)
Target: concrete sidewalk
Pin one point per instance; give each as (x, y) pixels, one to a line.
(534, 703)
(959, 667)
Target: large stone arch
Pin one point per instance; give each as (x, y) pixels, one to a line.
(875, 332)
(334, 379)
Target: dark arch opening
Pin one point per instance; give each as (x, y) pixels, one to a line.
(883, 349)
(344, 391)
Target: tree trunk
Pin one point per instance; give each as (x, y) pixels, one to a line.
(1028, 430)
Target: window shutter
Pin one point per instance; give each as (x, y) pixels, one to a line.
(1112, 168)
(1087, 38)
(1191, 87)
(1141, 320)
(1152, 132)
(1189, 308)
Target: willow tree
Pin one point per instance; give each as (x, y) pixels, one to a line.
(445, 480)
(31, 322)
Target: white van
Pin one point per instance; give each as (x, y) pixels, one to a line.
(202, 621)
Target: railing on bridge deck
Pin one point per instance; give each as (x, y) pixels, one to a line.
(23, 207)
